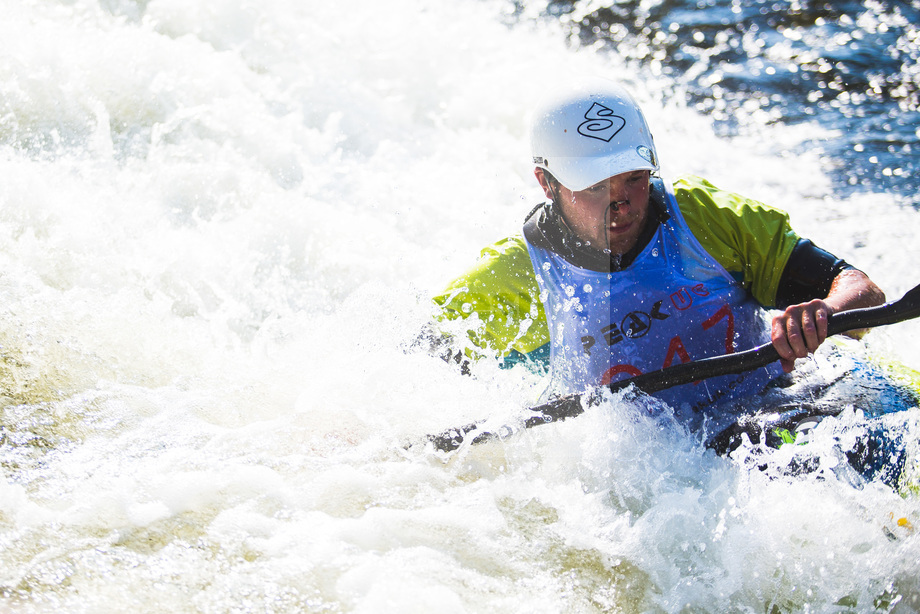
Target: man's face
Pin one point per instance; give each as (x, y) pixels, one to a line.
(608, 215)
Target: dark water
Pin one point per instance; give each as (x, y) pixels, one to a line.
(850, 67)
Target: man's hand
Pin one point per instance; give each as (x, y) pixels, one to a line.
(801, 329)
(798, 331)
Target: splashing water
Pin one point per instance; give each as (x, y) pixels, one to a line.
(219, 225)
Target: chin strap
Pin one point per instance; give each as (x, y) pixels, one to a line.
(556, 215)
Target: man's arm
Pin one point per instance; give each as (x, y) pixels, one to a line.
(801, 328)
(492, 310)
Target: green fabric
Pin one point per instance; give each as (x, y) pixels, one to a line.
(502, 290)
(751, 240)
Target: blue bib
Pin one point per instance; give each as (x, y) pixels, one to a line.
(675, 303)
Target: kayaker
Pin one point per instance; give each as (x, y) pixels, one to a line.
(621, 272)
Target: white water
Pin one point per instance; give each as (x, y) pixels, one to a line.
(219, 223)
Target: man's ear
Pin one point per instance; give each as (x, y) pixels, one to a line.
(544, 182)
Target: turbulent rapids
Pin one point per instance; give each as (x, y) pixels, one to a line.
(220, 224)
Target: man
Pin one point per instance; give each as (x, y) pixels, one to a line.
(621, 273)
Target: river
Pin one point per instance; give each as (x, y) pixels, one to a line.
(220, 223)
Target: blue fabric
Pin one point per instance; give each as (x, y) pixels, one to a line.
(675, 303)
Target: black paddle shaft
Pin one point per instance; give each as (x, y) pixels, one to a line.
(905, 308)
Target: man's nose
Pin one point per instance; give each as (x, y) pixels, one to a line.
(617, 196)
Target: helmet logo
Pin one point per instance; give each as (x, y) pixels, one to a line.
(646, 154)
(601, 123)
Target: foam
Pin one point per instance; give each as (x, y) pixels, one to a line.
(219, 225)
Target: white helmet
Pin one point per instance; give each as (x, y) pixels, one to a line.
(589, 133)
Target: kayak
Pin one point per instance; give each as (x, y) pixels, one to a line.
(862, 405)
(842, 411)
(860, 402)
